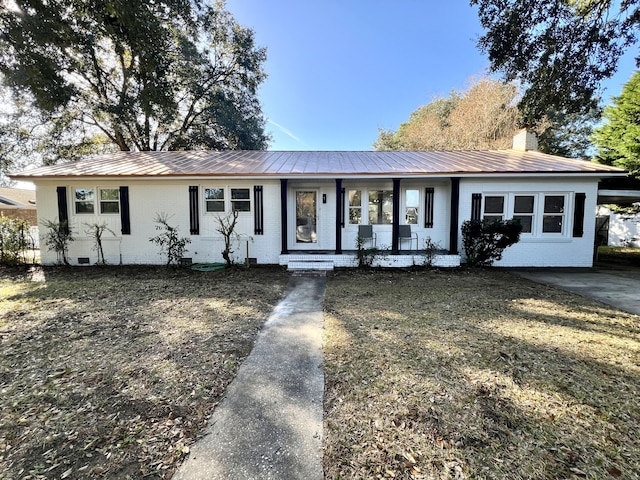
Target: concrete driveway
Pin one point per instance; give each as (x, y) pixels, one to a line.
(619, 288)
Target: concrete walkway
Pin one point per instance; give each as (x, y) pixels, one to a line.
(618, 288)
(269, 425)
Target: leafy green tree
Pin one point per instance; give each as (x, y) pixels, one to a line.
(163, 75)
(560, 50)
(568, 135)
(618, 140)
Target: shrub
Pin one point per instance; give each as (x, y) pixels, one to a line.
(485, 240)
(95, 231)
(57, 238)
(171, 245)
(366, 256)
(226, 228)
(15, 239)
(431, 250)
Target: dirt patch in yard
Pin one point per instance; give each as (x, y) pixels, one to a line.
(112, 372)
(477, 374)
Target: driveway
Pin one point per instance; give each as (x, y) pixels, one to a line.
(617, 287)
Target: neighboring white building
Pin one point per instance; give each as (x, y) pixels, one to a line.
(297, 206)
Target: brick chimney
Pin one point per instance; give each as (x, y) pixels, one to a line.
(525, 140)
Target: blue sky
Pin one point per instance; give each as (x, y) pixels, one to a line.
(341, 69)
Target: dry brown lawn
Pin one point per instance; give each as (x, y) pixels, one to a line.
(477, 374)
(112, 372)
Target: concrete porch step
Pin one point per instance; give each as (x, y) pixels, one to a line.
(310, 265)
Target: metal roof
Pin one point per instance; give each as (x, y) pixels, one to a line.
(291, 164)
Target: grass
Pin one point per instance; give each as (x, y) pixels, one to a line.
(477, 374)
(113, 372)
(618, 257)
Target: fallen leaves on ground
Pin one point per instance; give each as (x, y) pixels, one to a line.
(112, 372)
(476, 374)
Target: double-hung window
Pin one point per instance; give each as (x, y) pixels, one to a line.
(553, 218)
(540, 214)
(355, 207)
(214, 199)
(84, 199)
(240, 200)
(108, 200)
(412, 202)
(524, 210)
(219, 200)
(380, 207)
(494, 207)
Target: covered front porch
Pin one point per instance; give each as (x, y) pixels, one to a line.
(403, 217)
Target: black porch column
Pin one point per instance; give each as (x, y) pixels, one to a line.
(395, 228)
(455, 205)
(283, 215)
(339, 215)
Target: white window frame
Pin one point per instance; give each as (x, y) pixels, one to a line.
(96, 201)
(227, 201)
(537, 222)
(405, 208)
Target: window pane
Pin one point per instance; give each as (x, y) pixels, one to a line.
(525, 221)
(552, 224)
(239, 194)
(412, 198)
(380, 206)
(492, 218)
(494, 205)
(109, 194)
(554, 204)
(355, 198)
(523, 204)
(84, 207)
(215, 206)
(214, 194)
(241, 206)
(84, 194)
(355, 215)
(109, 207)
(411, 216)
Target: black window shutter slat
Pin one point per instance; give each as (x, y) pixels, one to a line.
(194, 211)
(258, 210)
(125, 219)
(578, 215)
(428, 207)
(476, 206)
(63, 210)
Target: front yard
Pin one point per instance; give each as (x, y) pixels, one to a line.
(477, 375)
(112, 372)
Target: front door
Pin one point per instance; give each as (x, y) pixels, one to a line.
(306, 218)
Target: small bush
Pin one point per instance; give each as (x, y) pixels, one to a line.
(431, 250)
(366, 256)
(95, 231)
(15, 239)
(485, 240)
(171, 245)
(57, 238)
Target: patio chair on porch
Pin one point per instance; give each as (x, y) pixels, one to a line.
(367, 234)
(405, 233)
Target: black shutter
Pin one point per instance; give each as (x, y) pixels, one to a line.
(63, 211)
(125, 218)
(578, 215)
(476, 206)
(258, 210)
(194, 211)
(428, 207)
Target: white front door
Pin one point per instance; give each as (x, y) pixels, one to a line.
(306, 233)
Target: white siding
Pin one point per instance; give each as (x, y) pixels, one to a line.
(542, 250)
(146, 200)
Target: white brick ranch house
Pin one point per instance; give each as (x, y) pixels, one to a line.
(297, 206)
